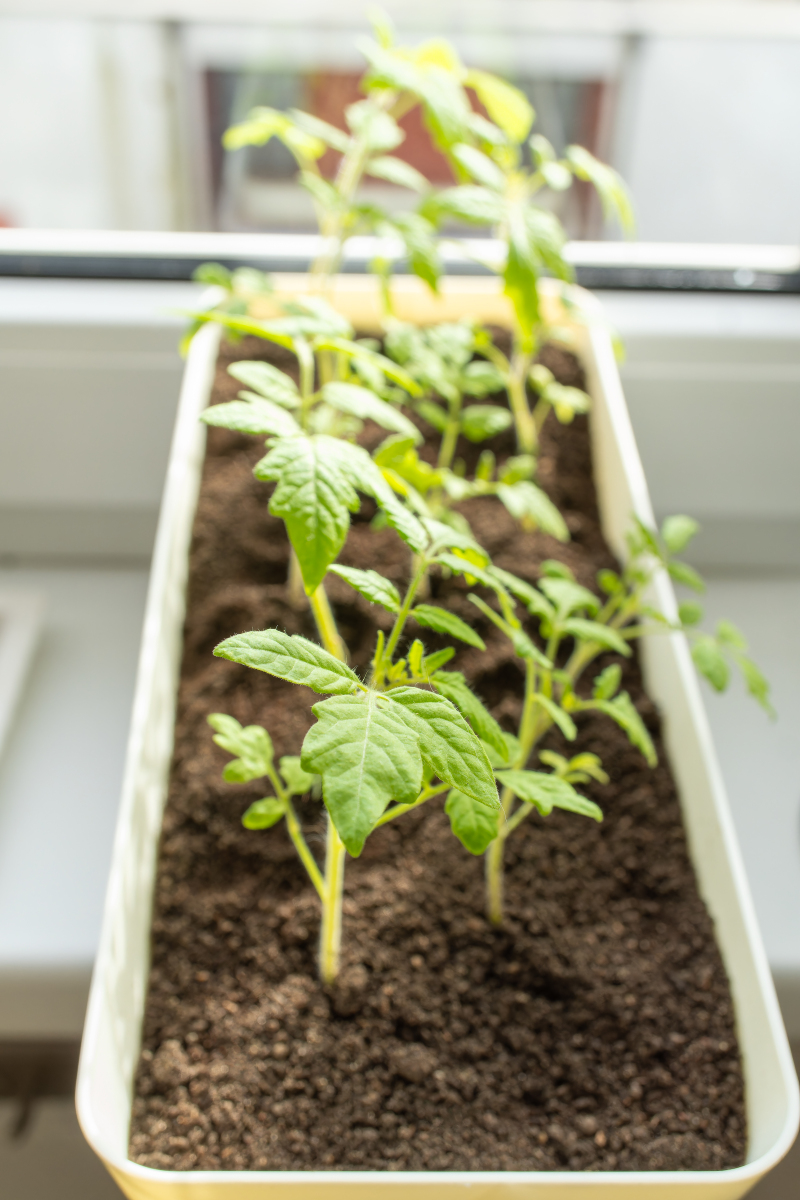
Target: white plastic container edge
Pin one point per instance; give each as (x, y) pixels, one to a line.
(116, 1005)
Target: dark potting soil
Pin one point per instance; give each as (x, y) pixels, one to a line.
(594, 1031)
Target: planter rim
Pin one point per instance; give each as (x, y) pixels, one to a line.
(183, 458)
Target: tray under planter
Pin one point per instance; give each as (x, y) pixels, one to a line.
(113, 1029)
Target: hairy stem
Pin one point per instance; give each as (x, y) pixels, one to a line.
(402, 616)
(527, 725)
(527, 438)
(529, 733)
(306, 857)
(331, 931)
(333, 885)
(494, 881)
(399, 809)
(334, 226)
(447, 447)
(326, 623)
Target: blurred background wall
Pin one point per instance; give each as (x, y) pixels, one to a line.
(111, 116)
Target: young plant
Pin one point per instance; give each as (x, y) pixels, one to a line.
(365, 149)
(501, 172)
(569, 615)
(441, 359)
(312, 458)
(501, 192)
(396, 739)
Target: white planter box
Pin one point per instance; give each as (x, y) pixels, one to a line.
(112, 1034)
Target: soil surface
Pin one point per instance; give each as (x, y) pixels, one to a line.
(594, 1031)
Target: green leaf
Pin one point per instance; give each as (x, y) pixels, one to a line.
(757, 685)
(521, 273)
(249, 282)
(729, 634)
(337, 139)
(416, 652)
(267, 330)
(252, 415)
(607, 682)
(579, 769)
(682, 573)
(470, 203)
(366, 475)
(421, 245)
(479, 166)
(394, 170)
(507, 106)
(593, 631)
(525, 648)
(644, 540)
(567, 595)
(542, 149)
(562, 719)
(461, 566)
(268, 381)
(432, 662)
(610, 582)
(262, 124)
(586, 764)
(486, 131)
(482, 421)
(552, 568)
(373, 126)
(297, 781)
(533, 600)
(290, 657)
(567, 401)
(474, 824)
(610, 187)
(213, 274)
(429, 73)
(444, 535)
(433, 414)
(367, 754)
(264, 813)
(512, 751)
(710, 662)
(481, 378)
(447, 743)
(677, 532)
(528, 503)
(556, 176)
(364, 404)
(442, 621)
(358, 351)
(325, 194)
(315, 496)
(455, 688)
(251, 744)
(547, 792)
(622, 710)
(369, 584)
(548, 240)
(690, 613)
